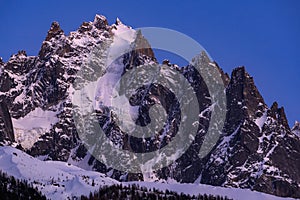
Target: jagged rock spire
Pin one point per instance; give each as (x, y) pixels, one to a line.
(54, 31)
(225, 77)
(143, 46)
(166, 62)
(100, 21)
(278, 113)
(243, 99)
(296, 128)
(118, 21)
(22, 53)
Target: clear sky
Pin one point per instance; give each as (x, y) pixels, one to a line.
(262, 35)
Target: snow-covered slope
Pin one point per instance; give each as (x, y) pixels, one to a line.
(193, 189)
(59, 180)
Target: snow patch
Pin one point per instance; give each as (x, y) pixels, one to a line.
(122, 41)
(29, 128)
(261, 121)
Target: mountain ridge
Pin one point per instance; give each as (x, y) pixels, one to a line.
(243, 157)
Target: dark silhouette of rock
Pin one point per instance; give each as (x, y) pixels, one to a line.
(54, 31)
(6, 130)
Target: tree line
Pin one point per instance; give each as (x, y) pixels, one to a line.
(14, 189)
(136, 192)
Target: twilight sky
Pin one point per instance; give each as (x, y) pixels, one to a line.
(264, 36)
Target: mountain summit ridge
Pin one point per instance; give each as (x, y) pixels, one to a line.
(257, 150)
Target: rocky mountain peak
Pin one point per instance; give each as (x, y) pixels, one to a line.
(166, 62)
(274, 107)
(54, 43)
(249, 89)
(243, 99)
(282, 117)
(278, 114)
(141, 51)
(22, 53)
(296, 128)
(118, 21)
(39, 89)
(240, 75)
(100, 21)
(54, 31)
(224, 75)
(142, 45)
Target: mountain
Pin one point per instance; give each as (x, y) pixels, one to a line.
(257, 149)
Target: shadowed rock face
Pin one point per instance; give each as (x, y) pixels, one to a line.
(257, 149)
(54, 31)
(6, 131)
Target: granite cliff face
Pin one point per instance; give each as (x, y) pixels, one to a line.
(256, 150)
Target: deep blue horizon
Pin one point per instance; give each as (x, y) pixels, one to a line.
(263, 36)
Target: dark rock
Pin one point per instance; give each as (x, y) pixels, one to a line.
(100, 22)
(141, 52)
(6, 127)
(54, 31)
(85, 26)
(22, 52)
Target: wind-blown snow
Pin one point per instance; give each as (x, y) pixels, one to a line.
(122, 41)
(101, 92)
(124, 36)
(29, 128)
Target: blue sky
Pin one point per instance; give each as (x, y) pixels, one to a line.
(264, 36)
